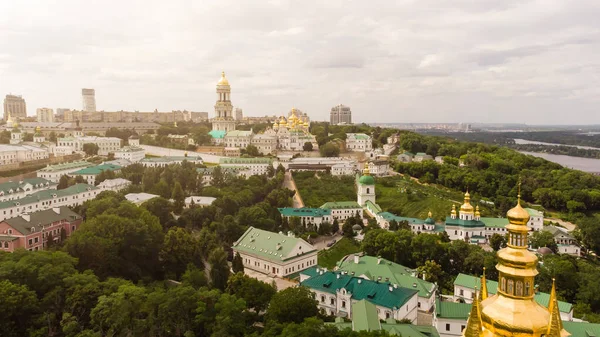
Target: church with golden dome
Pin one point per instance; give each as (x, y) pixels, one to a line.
(292, 132)
(512, 311)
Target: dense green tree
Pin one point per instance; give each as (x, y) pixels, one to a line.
(178, 198)
(543, 239)
(237, 265)
(19, 305)
(219, 269)
(431, 271)
(63, 182)
(330, 149)
(308, 146)
(497, 241)
(194, 277)
(90, 149)
(292, 305)
(179, 249)
(160, 208)
(257, 294)
(162, 189)
(252, 151)
(121, 313)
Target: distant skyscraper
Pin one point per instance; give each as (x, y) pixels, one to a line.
(223, 120)
(238, 114)
(89, 100)
(15, 105)
(340, 114)
(45, 115)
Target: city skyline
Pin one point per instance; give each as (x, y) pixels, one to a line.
(486, 62)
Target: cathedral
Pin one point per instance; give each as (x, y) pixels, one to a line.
(513, 310)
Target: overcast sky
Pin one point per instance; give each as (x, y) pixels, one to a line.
(535, 62)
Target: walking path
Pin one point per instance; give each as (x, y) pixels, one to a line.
(288, 182)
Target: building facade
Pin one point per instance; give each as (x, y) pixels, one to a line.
(307, 216)
(45, 115)
(105, 145)
(342, 210)
(32, 231)
(14, 106)
(223, 120)
(54, 172)
(274, 253)
(170, 160)
(18, 153)
(90, 173)
(253, 166)
(358, 142)
(12, 190)
(132, 153)
(340, 114)
(89, 100)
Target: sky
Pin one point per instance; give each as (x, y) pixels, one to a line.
(405, 61)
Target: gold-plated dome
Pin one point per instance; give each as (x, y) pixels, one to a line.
(477, 213)
(223, 80)
(518, 215)
(467, 207)
(453, 210)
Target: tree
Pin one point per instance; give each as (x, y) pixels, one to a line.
(219, 269)
(347, 229)
(162, 189)
(330, 149)
(543, 239)
(431, 271)
(52, 136)
(178, 250)
(194, 277)
(292, 305)
(63, 182)
(160, 208)
(120, 313)
(257, 294)
(237, 265)
(90, 149)
(308, 146)
(19, 305)
(497, 241)
(252, 151)
(178, 198)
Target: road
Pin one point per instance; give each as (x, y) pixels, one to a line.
(568, 225)
(321, 242)
(289, 183)
(163, 151)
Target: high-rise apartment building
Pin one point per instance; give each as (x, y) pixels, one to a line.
(238, 114)
(15, 106)
(340, 114)
(45, 115)
(89, 100)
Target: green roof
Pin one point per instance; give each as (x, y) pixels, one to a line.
(305, 211)
(18, 186)
(390, 216)
(471, 282)
(95, 170)
(533, 212)
(582, 329)
(389, 272)
(364, 316)
(377, 293)
(463, 223)
(495, 222)
(218, 134)
(47, 195)
(421, 154)
(275, 247)
(238, 133)
(452, 310)
(341, 205)
(375, 207)
(39, 219)
(367, 180)
(359, 136)
(240, 160)
(66, 166)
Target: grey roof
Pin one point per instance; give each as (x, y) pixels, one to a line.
(38, 220)
(18, 186)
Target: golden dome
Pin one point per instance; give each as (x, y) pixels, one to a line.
(477, 213)
(467, 207)
(223, 80)
(453, 210)
(518, 215)
(37, 129)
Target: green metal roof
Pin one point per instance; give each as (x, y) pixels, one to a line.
(240, 160)
(340, 205)
(495, 222)
(390, 216)
(275, 247)
(375, 207)
(367, 180)
(238, 133)
(217, 134)
(377, 293)
(582, 329)
(18, 186)
(358, 136)
(464, 223)
(66, 166)
(364, 316)
(95, 170)
(533, 212)
(471, 282)
(452, 310)
(47, 195)
(305, 211)
(41, 218)
(373, 268)
(170, 159)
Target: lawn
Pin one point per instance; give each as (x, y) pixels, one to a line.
(328, 258)
(317, 190)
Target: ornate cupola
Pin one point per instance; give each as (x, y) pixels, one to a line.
(466, 210)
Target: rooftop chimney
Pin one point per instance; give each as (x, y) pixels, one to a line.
(356, 258)
(359, 281)
(391, 288)
(378, 260)
(337, 276)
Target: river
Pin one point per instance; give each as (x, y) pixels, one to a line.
(524, 141)
(578, 163)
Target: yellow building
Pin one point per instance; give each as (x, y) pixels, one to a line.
(513, 310)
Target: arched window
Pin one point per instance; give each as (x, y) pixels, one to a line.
(527, 288)
(368, 190)
(519, 288)
(503, 287)
(510, 287)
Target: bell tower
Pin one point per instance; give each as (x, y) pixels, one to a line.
(366, 187)
(223, 120)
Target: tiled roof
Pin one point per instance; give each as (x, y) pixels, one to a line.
(276, 247)
(452, 310)
(40, 219)
(305, 211)
(169, 159)
(556, 231)
(534, 212)
(373, 268)
(375, 207)
(471, 282)
(238, 133)
(340, 205)
(95, 170)
(375, 292)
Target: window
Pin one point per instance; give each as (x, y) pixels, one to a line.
(332, 301)
(322, 299)
(36, 240)
(510, 287)
(30, 242)
(387, 314)
(447, 327)
(462, 292)
(519, 288)
(462, 328)
(344, 304)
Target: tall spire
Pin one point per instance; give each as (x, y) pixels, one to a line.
(555, 328)
(484, 291)
(474, 326)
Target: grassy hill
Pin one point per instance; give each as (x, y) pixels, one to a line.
(316, 190)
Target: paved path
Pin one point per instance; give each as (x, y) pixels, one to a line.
(568, 225)
(320, 243)
(288, 182)
(163, 151)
